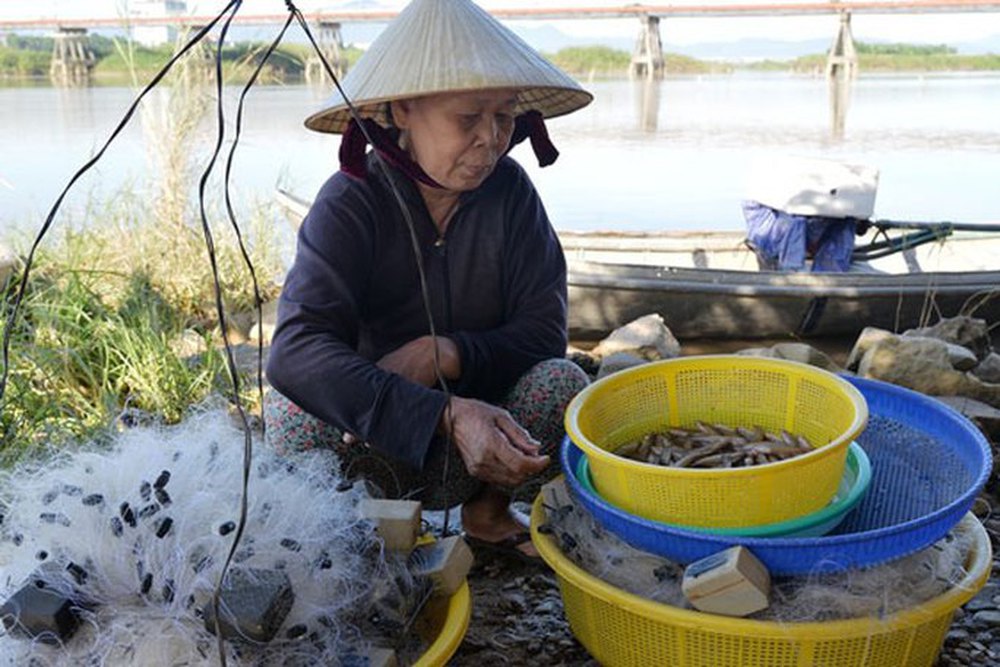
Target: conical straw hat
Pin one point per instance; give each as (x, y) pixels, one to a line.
(437, 46)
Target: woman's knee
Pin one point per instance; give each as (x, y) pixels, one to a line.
(539, 399)
(550, 382)
(290, 429)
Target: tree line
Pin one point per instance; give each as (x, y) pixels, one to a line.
(28, 56)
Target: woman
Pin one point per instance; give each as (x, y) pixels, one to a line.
(445, 91)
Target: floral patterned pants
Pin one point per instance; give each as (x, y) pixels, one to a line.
(537, 402)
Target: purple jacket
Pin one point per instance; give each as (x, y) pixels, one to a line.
(497, 285)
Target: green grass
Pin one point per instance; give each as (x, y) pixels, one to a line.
(118, 60)
(602, 61)
(891, 58)
(120, 306)
(116, 318)
(23, 63)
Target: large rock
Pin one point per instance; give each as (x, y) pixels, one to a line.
(988, 369)
(924, 365)
(986, 417)
(969, 332)
(800, 352)
(618, 361)
(647, 337)
(868, 338)
(959, 357)
(268, 322)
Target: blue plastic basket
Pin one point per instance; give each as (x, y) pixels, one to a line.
(854, 484)
(928, 465)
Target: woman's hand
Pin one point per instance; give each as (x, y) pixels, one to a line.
(493, 446)
(415, 360)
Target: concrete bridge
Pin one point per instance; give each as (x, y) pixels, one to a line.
(71, 56)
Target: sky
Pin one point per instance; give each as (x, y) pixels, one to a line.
(925, 28)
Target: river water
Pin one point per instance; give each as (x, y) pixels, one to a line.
(661, 155)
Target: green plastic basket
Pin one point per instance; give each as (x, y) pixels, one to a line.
(853, 485)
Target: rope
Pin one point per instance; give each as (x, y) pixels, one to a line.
(248, 440)
(217, 288)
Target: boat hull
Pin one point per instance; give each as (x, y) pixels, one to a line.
(706, 303)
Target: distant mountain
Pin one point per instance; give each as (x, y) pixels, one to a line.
(980, 46)
(543, 37)
(549, 39)
(752, 49)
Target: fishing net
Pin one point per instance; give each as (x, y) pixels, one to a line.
(140, 530)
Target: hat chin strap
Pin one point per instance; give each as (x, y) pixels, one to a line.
(529, 125)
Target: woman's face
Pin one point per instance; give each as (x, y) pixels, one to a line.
(457, 138)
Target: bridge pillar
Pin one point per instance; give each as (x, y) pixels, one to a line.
(72, 60)
(332, 46)
(648, 103)
(842, 60)
(647, 58)
(841, 70)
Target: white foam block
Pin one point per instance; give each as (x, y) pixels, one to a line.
(731, 582)
(809, 186)
(396, 521)
(446, 562)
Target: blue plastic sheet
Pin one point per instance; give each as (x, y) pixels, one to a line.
(784, 241)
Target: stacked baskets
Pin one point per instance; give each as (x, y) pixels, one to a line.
(734, 391)
(927, 465)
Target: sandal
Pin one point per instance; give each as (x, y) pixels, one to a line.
(505, 548)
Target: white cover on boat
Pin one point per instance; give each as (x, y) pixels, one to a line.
(810, 186)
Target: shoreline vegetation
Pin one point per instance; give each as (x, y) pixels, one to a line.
(118, 326)
(24, 58)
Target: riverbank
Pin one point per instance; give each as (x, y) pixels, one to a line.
(117, 62)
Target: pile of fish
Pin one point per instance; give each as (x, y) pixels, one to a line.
(714, 446)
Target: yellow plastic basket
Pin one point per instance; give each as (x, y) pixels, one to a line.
(727, 389)
(444, 622)
(621, 629)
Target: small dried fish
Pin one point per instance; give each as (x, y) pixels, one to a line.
(701, 453)
(629, 449)
(715, 445)
(722, 429)
(705, 428)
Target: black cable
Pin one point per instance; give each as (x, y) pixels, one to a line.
(220, 309)
(414, 242)
(22, 288)
(258, 301)
(248, 440)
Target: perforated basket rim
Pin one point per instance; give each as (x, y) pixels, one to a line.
(453, 628)
(979, 561)
(724, 361)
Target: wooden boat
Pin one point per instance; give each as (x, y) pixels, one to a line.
(708, 284)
